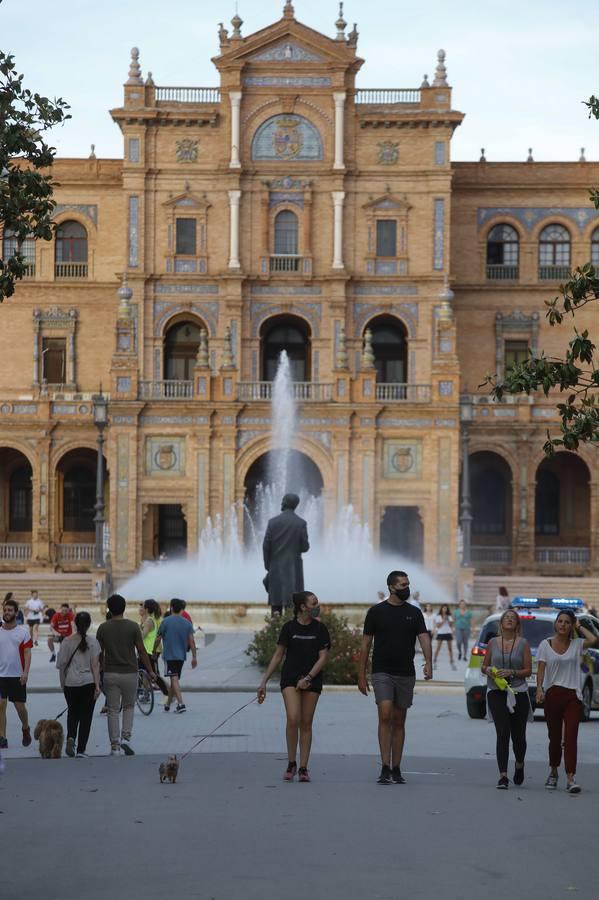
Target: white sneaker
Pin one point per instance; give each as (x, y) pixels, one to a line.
(82, 756)
(115, 751)
(127, 748)
(572, 787)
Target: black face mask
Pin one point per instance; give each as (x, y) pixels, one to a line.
(402, 593)
(315, 612)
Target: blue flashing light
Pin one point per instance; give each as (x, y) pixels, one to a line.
(551, 602)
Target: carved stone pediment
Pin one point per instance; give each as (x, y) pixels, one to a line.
(388, 201)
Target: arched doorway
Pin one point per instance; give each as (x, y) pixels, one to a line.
(75, 506)
(562, 511)
(389, 345)
(402, 533)
(289, 333)
(181, 344)
(15, 505)
(491, 497)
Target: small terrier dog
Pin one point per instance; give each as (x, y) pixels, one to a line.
(50, 735)
(169, 770)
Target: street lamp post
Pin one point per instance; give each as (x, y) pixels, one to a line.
(100, 421)
(466, 414)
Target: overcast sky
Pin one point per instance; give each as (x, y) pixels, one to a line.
(519, 70)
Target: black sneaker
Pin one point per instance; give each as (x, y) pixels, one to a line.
(53, 657)
(3, 743)
(181, 708)
(385, 776)
(127, 748)
(503, 783)
(396, 775)
(519, 775)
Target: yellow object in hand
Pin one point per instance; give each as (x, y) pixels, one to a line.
(502, 683)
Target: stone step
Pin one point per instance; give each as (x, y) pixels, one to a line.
(486, 587)
(53, 588)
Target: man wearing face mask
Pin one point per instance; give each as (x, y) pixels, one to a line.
(394, 626)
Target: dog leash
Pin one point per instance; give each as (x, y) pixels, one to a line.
(62, 713)
(224, 722)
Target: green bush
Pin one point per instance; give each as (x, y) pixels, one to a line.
(342, 662)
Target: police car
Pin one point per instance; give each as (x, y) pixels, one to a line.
(537, 615)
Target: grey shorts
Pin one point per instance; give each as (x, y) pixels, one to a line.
(397, 688)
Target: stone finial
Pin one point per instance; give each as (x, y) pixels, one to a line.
(483, 158)
(582, 157)
(440, 71)
(227, 362)
(341, 25)
(425, 82)
(446, 297)
(352, 38)
(342, 361)
(529, 157)
(236, 22)
(92, 152)
(149, 80)
(223, 34)
(202, 357)
(134, 68)
(124, 294)
(367, 361)
(288, 10)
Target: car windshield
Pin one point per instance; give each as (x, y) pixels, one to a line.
(534, 630)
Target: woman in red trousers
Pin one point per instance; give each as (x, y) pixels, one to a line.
(558, 687)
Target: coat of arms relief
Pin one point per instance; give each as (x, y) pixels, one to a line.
(187, 150)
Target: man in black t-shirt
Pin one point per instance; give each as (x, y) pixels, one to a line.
(394, 625)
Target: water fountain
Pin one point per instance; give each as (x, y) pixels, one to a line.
(341, 567)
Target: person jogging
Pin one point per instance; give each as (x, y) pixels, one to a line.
(393, 625)
(15, 660)
(303, 644)
(61, 627)
(558, 687)
(176, 635)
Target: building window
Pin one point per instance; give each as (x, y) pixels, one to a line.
(79, 499)
(595, 247)
(71, 243)
(515, 353)
(20, 499)
(27, 250)
(54, 354)
(554, 253)
(292, 335)
(502, 253)
(180, 351)
(286, 234)
(390, 350)
(547, 503)
(386, 237)
(186, 236)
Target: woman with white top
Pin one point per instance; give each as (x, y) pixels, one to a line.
(559, 688)
(444, 632)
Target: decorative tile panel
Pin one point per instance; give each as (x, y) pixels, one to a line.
(444, 502)
(86, 209)
(439, 153)
(287, 138)
(402, 458)
(258, 290)
(366, 289)
(162, 288)
(439, 234)
(287, 51)
(287, 81)
(446, 388)
(133, 145)
(123, 384)
(122, 498)
(529, 216)
(133, 231)
(165, 456)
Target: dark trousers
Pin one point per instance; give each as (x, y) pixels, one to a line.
(80, 703)
(562, 714)
(508, 725)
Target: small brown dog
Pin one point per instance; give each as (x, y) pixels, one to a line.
(169, 770)
(50, 735)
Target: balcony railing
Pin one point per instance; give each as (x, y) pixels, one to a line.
(15, 552)
(554, 273)
(75, 553)
(557, 556)
(303, 391)
(485, 554)
(386, 96)
(29, 270)
(282, 263)
(70, 270)
(503, 273)
(165, 390)
(187, 95)
(403, 393)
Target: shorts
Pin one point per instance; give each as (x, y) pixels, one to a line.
(31, 622)
(398, 688)
(12, 689)
(289, 680)
(174, 667)
(444, 637)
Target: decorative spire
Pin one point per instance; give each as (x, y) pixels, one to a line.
(149, 80)
(236, 22)
(529, 157)
(134, 68)
(352, 38)
(425, 82)
(446, 297)
(367, 361)
(202, 358)
(124, 294)
(341, 25)
(440, 71)
(342, 361)
(288, 10)
(227, 362)
(92, 152)
(483, 158)
(582, 157)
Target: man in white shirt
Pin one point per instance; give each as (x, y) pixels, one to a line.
(15, 660)
(35, 612)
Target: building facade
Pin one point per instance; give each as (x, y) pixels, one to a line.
(289, 209)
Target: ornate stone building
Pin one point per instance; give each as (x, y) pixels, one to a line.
(289, 209)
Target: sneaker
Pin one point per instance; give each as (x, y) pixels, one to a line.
(385, 776)
(167, 707)
(519, 775)
(53, 657)
(26, 737)
(115, 751)
(396, 775)
(3, 743)
(181, 708)
(551, 783)
(303, 774)
(70, 748)
(290, 771)
(81, 755)
(503, 783)
(572, 787)
(35, 644)
(127, 748)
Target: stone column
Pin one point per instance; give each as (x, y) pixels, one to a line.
(466, 504)
(234, 198)
(235, 100)
(338, 198)
(339, 98)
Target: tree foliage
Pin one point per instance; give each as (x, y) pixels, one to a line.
(26, 203)
(577, 373)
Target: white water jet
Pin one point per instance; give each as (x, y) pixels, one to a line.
(341, 566)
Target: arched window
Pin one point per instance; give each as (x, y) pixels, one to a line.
(547, 502)
(291, 334)
(20, 499)
(490, 489)
(390, 351)
(27, 249)
(286, 233)
(502, 253)
(595, 247)
(79, 499)
(71, 243)
(180, 351)
(554, 252)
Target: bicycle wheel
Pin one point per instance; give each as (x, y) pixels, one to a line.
(145, 694)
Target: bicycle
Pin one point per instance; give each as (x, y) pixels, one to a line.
(145, 693)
